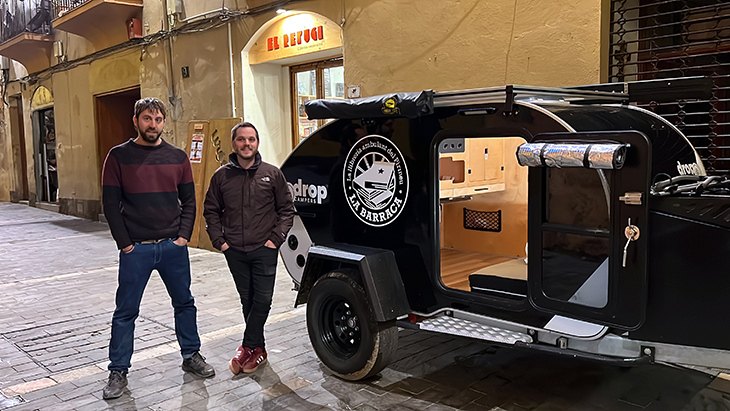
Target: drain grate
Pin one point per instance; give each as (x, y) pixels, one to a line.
(72, 344)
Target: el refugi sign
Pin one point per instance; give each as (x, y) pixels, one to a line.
(295, 35)
(295, 39)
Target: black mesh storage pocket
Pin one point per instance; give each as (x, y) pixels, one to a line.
(483, 220)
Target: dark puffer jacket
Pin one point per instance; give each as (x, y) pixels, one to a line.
(246, 207)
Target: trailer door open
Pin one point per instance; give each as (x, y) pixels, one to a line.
(587, 225)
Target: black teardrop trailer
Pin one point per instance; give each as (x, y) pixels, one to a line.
(557, 219)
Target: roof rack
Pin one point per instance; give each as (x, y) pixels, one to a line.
(659, 90)
(511, 93)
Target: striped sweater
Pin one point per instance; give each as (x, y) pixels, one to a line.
(148, 193)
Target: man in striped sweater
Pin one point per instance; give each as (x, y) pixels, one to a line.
(149, 202)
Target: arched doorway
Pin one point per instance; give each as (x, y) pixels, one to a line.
(44, 145)
(293, 57)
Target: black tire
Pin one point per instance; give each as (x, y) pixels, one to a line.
(343, 330)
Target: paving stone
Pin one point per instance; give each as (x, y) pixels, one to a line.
(439, 407)
(431, 371)
(78, 391)
(361, 396)
(367, 407)
(47, 403)
(461, 398)
(476, 407)
(81, 401)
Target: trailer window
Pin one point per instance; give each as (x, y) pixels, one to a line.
(575, 240)
(577, 197)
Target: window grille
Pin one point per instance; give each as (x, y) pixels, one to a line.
(656, 39)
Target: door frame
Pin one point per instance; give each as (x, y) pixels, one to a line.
(40, 154)
(17, 132)
(627, 286)
(101, 154)
(319, 67)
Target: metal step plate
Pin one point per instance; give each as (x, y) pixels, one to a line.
(465, 328)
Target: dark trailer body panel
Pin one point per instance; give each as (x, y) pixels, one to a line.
(684, 280)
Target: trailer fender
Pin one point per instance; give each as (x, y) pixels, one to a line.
(375, 268)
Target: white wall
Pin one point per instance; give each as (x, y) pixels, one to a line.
(266, 104)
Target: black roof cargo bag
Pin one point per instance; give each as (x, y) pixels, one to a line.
(409, 105)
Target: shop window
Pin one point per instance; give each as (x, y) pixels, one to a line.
(322, 79)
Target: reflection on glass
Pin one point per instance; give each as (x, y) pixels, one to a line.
(334, 82)
(334, 85)
(577, 197)
(306, 90)
(319, 82)
(575, 268)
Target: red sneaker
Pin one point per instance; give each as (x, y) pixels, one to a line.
(258, 357)
(237, 362)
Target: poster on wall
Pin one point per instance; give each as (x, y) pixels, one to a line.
(196, 148)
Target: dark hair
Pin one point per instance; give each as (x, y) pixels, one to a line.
(149, 103)
(241, 125)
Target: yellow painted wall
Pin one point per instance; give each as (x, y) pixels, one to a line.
(192, 8)
(75, 45)
(411, 45)
(7, 182)
(389, 45)
(75, 135)
(206, 94)
(74, 91)
(27, 92)
(153, 78)
(266, 100)
(118, 72)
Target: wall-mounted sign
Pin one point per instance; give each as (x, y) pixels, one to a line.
(294, 39)
(196, 148)
(295, 35)
(42, 98)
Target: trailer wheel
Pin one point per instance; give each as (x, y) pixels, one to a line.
(343, 330)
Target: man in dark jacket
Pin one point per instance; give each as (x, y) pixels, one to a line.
(149, 202)
(249, 210)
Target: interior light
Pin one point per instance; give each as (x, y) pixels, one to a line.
(280, 11)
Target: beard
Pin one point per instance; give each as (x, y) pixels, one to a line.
(150, 138)
(246, 156)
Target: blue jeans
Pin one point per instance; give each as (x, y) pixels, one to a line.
(173, 264)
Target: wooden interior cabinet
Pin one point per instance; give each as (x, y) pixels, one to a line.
(477, 170)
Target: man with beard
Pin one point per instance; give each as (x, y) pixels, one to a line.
(149, 202)
(249, 211)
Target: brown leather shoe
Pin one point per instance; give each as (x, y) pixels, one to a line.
(258, 357)
(237, 362)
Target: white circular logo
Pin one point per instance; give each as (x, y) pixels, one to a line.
(375, 180)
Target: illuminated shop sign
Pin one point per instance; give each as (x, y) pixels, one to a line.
(295, 35)
(295, 39)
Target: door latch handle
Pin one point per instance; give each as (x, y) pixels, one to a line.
(631, 198)
(632, 233)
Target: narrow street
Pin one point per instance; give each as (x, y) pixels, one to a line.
(57, 284)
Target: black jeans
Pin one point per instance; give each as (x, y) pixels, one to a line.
(254, 273)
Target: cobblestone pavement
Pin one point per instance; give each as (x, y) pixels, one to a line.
(57, 283)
